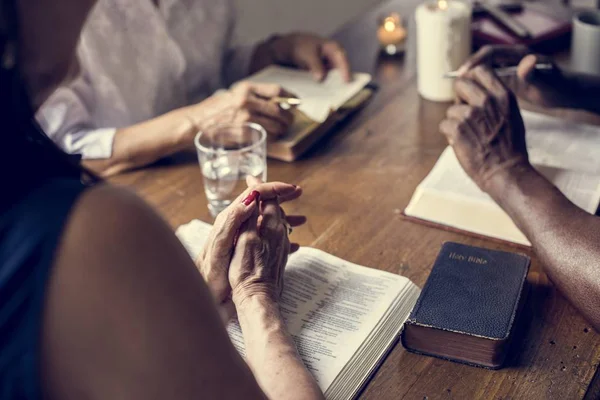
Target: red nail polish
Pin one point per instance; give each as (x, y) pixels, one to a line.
(254, 195)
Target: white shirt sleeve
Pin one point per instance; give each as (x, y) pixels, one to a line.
(66, 118)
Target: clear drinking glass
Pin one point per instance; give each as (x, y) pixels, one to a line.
(227, 154)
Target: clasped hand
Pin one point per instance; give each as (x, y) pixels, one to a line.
(248, 246)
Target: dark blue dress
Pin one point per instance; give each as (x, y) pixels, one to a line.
(38, 187)
(29, 233)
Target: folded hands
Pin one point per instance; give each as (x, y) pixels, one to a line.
(249, 245)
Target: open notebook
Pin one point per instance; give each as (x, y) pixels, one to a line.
(343, 317)
(564, 152)
(323, 104)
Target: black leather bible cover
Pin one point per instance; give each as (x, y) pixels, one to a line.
(472, 296)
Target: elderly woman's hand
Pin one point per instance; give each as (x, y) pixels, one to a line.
(260, 254)
(215, 257)
(304, 51)
(547, 88)
(486, 130)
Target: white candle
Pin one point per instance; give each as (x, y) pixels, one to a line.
(443, 44)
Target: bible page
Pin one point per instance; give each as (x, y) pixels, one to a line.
(582, 189)
(558, 143)
(330, 307)
(448, 178)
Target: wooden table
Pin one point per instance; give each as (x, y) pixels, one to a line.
(356, 183)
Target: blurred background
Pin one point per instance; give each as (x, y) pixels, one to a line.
(259, 18)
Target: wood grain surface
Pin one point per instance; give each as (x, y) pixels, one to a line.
(356, 183)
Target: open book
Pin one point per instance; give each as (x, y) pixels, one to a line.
(343, 317)
(323, 104)
(564, 152)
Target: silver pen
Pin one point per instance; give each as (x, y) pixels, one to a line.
(505, 71)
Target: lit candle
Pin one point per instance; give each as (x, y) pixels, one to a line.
(391, 34)
(443, 45)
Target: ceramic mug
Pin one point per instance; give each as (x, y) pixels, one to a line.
(585, 47)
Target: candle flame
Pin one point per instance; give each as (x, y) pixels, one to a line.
(442, 4)
(389, 24)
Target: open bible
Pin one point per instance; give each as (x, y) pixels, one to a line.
(343, 317)
(564, 152)
(323, 105)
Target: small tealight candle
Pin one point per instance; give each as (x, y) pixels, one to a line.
(391, 34)
(443, 45)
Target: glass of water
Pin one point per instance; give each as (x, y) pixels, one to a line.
(227, 155)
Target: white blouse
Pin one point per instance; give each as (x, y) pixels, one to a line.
(139, 61)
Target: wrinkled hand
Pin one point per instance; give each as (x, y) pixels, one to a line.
(245, 102)
(215, 257)
(548, 88)
(261, 254)
(486, 130)
(304, 51)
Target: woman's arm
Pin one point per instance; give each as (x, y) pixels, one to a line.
(145, 143)
(149, 141)
(256, 277)
(109, 152)
(272, 353)
(125, 318)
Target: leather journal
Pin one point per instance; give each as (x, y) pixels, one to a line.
(305, 132)
(469, 305)
(323, 105)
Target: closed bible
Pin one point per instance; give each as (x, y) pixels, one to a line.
(468, 308)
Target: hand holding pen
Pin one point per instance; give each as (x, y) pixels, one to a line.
(532, 77)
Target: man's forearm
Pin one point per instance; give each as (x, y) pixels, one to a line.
(566, 238)
(271, 353)
(144, 143)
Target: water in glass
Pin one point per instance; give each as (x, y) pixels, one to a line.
(227, 155)
(225, 177)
